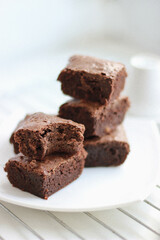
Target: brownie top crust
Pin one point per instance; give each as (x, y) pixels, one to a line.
(117, 135)
(49, 163)
(95, 66)
(37, 121)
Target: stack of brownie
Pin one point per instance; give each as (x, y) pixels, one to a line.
(50, 149)
(51, 154)
(96, 86)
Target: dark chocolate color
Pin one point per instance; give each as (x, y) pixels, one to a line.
(12, 141)
(15, 145)
(93, 79)
(110, 150)
(41, 135)
(98, 119)
(47, 177)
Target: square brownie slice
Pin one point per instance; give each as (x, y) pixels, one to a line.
(109, 150)
(40, 135)
(98, 119)
(93, 79)
(47, 177)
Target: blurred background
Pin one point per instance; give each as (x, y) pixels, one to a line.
(37, 37)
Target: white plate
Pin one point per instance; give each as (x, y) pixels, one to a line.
(97, 188)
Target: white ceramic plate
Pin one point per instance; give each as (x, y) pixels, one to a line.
(97, 188)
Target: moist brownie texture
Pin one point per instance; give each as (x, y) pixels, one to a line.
(15, 145)
(93, 79)
(47, 177)
(41, 135)
(98, 119)
(110, 150)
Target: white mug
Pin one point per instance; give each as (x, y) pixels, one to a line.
(144, 85)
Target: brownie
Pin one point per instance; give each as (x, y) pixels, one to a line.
(92, 79)
(98, 119)
(47, 177)
(41, 135)
(12, 141)
(110, 150)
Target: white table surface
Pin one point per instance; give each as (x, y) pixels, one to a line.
(25, 91)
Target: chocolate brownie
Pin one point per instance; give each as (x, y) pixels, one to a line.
(93, 79)
(47, 177)
(41, 135)
(15, 145)
(110, 150)
(98, 119)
